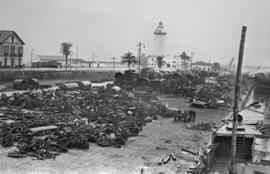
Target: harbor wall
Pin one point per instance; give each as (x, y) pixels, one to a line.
(6, 76)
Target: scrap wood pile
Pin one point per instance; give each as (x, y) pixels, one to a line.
(203, 126)
(44, 124)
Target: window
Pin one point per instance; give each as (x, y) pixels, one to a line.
(6, 49)
(12, 62)
(12, 49)
(19, 61)
(5, 61)
(20, 51)
(12, 39)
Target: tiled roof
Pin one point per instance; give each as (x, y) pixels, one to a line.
(201, 63)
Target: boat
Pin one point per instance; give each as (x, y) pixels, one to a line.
(252, 141)
(262, 83)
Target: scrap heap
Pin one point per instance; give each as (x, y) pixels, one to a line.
(213, 96)
(46, 123)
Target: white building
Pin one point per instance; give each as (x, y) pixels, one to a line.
(159, 40)
(170, 63)
(11, 49)
(60, 61)
(200, 65)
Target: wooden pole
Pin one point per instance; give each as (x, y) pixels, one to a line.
(236, 99)
(76, 58)
(113, 58)
(140, 47)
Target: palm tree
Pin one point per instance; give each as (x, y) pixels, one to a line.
(66, 50)
(185, 58)
(129, 59)
(216, 66)
(160, 62)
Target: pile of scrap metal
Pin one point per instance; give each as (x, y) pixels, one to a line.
(126, 80)
(262, 83)
(43, 124)
(227, 81)
(201, 75)
(178, 83)
(27, 83)
(130, 79)
(83, 85)
(212, 96)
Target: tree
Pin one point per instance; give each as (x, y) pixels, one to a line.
(129, 59)
(66, 51)
(160, 62)
(216, 66)
(185, 59)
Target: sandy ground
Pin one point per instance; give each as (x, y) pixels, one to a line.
(158, 139)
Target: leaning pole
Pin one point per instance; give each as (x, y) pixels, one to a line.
(236, 99)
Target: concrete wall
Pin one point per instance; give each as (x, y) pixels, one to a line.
(54, 75)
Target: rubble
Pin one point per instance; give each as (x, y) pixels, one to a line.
(212, 96)
(43, 124)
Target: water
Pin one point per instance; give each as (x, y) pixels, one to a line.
(253, 68)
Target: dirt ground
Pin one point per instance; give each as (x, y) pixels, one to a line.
(158, 139)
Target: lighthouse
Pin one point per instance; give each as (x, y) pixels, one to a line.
(159, 40)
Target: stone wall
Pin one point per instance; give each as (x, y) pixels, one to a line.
(6, 76)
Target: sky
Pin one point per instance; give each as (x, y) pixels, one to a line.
(109, 28)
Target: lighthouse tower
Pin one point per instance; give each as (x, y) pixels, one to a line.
(159, 40)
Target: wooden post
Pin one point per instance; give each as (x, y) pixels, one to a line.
(236, 99)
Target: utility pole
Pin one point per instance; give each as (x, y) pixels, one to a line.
(70, 63)
(31, 57)
(236, 100)
(140, 45)
(113, 58)
(76, 58)
(93, 57)
(192, 55)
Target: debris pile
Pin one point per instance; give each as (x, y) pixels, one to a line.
(203, 126)
(262, 78)
(46, 123)
(212, 96)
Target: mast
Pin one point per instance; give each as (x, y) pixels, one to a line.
(236, 99)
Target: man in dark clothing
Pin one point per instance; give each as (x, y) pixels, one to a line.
(192, 115)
